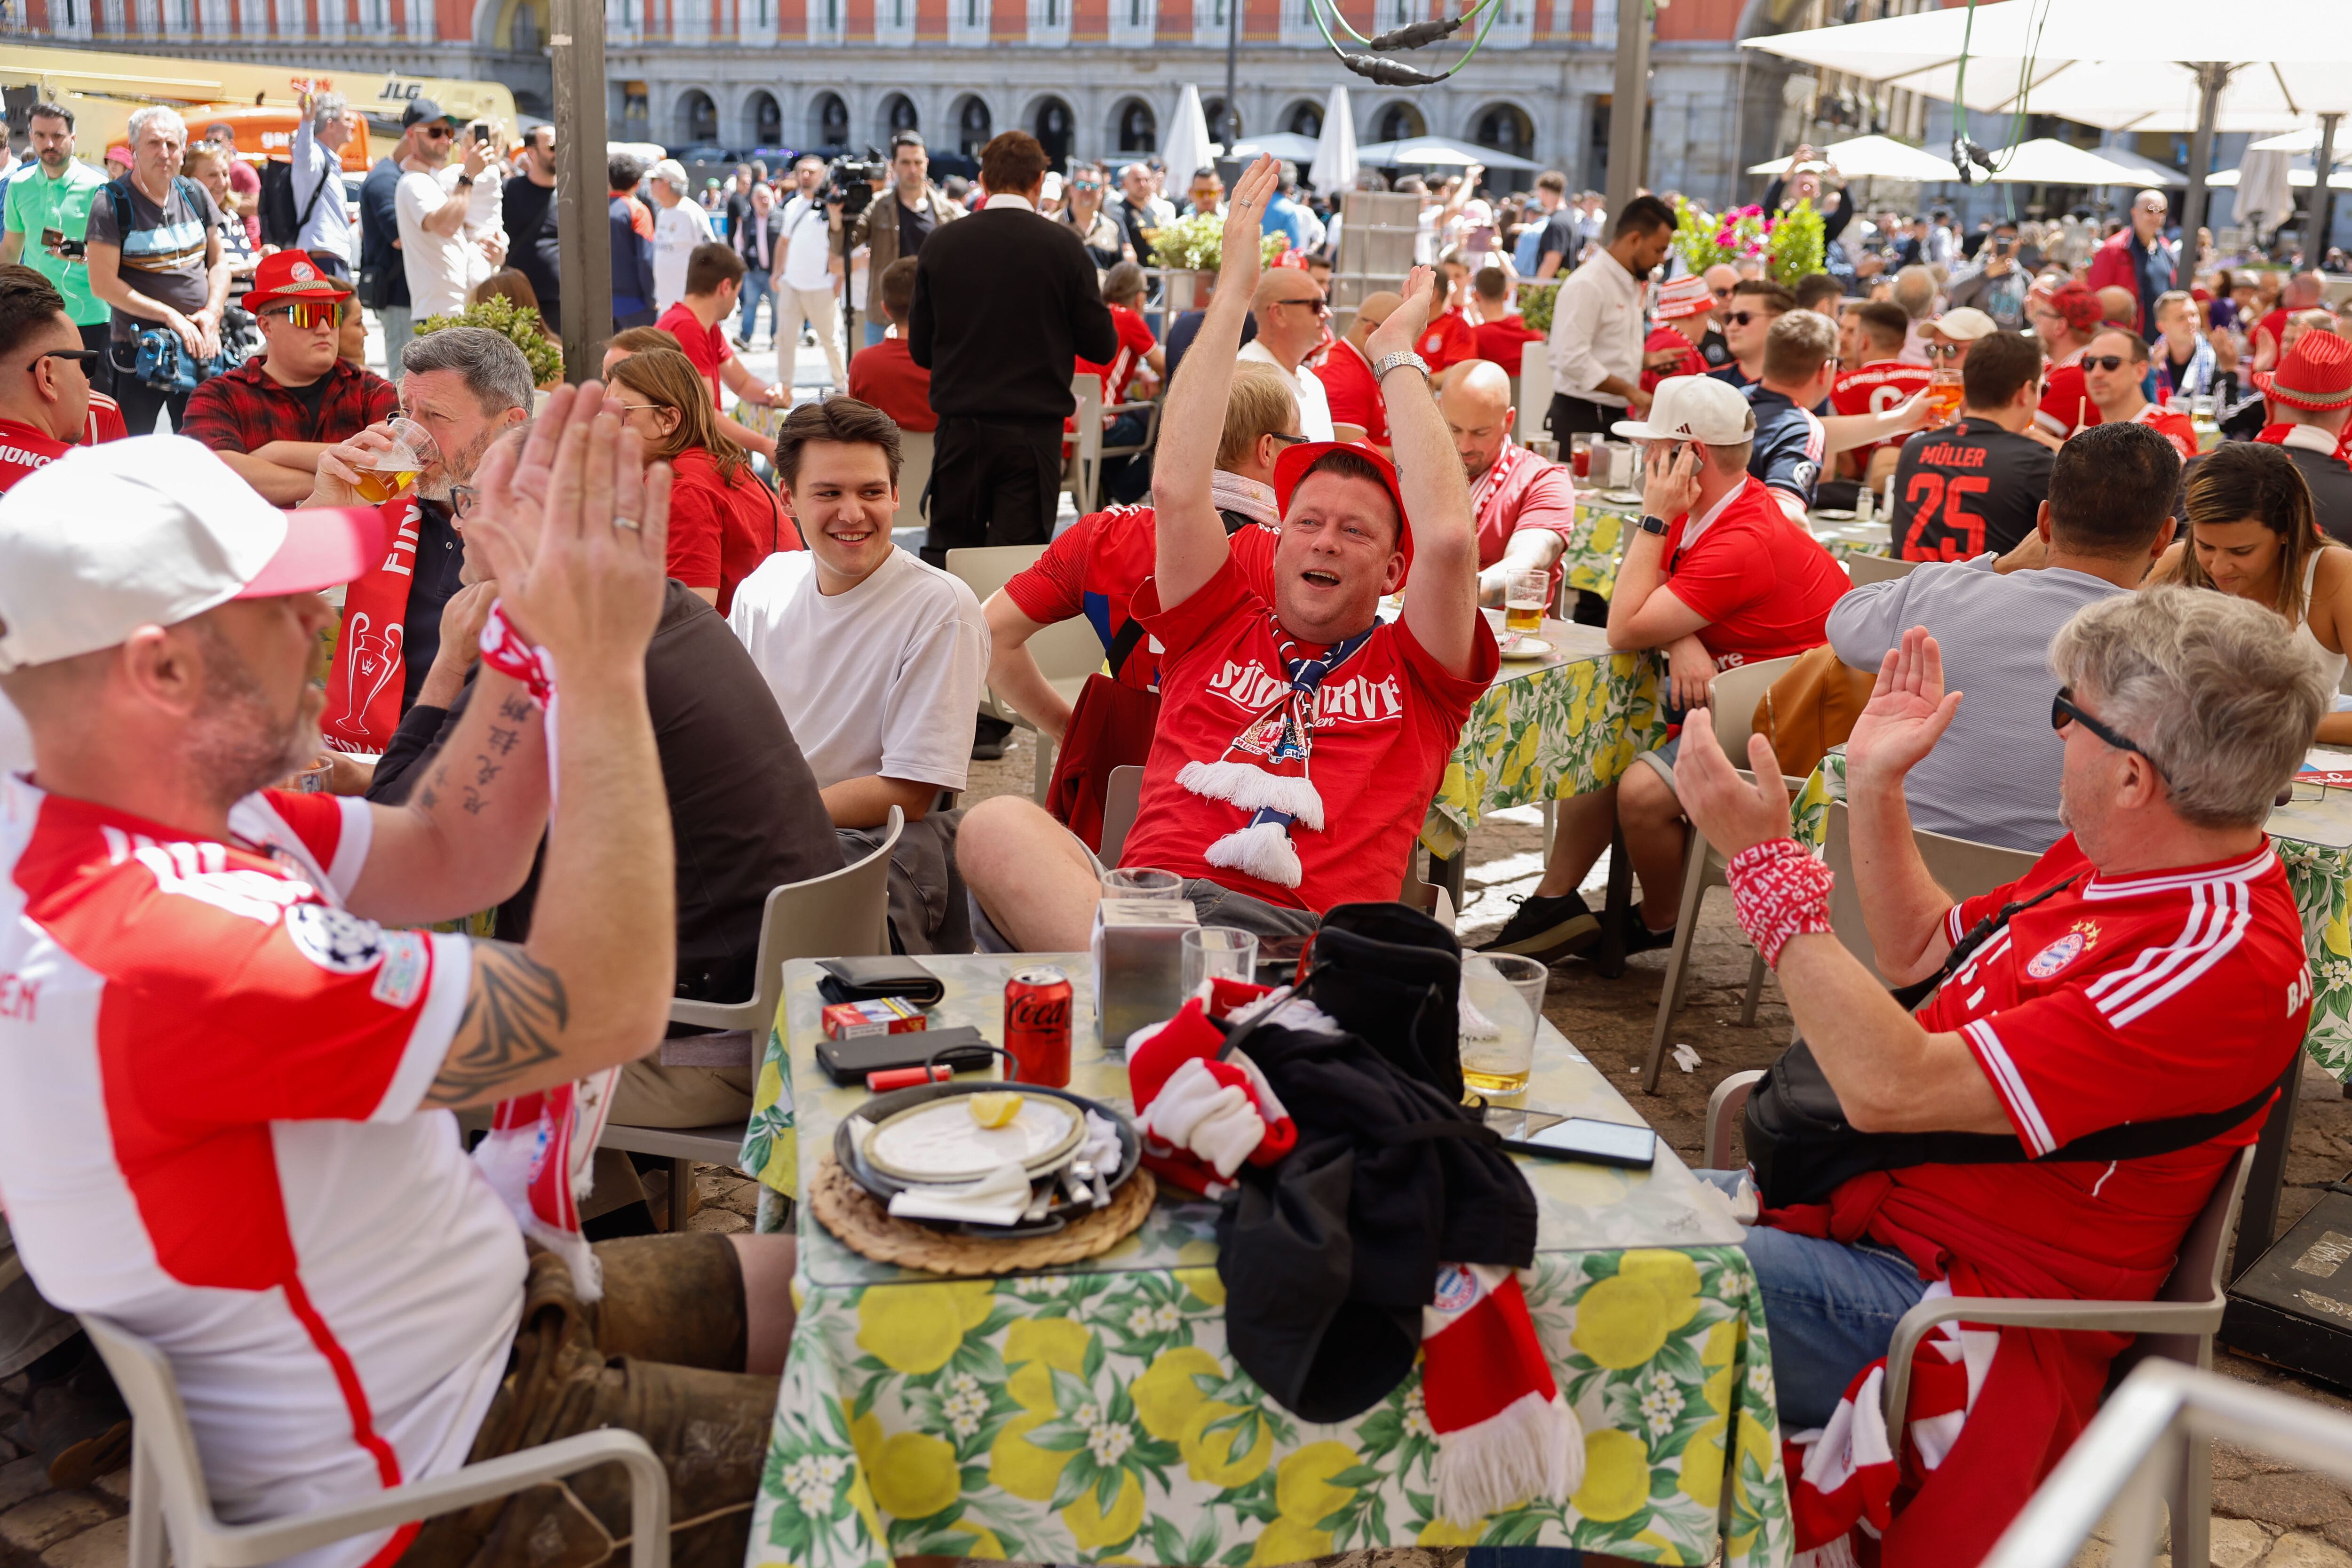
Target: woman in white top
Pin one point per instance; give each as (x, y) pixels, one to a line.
(2251, 532)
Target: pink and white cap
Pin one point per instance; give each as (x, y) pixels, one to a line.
(1685, 295)
(154, 530)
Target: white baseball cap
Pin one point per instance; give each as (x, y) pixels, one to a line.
(153, 531)
(1964, 325)
(1694, 408)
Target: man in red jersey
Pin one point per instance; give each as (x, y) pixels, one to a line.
(1524, 506)
(1683, 316)
(1250, 690)
(1876, 382)
(45, 374)
(2269, 339)
(2149, 971)
(714, 281)
(2065, 320)
(1347, 376)
(1502, 333)
(2113, 364)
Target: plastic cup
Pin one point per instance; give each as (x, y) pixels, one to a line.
(1216, 952)
(1506, 991)
(1141, 882)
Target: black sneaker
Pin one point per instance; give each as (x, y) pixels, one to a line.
(1640, 937)
(1547, 929)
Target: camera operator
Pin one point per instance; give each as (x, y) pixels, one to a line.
(808, 272)
(889, 230)
(1996, 285)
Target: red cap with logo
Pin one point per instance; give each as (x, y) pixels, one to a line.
(1292, 466)
(288, 276)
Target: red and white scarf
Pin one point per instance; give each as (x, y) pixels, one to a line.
(369, 677)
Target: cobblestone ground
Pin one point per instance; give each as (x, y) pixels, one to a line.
(2266, 1513)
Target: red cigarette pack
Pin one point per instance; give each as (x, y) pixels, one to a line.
(882, 1016)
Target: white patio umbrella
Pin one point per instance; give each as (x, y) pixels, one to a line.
(2152, 175)
(1439, 153)
(2045, 161)
(1288, 145)
(2339, 179)
(1875, 158)
(1336, 163)
(1188, 147)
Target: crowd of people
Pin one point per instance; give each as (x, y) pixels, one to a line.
(2126, 533)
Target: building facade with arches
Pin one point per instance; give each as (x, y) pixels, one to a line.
(1093, 79)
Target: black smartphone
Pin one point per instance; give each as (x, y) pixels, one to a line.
(55, 238)
(848, 1061)
(1596, 1142)
(481, 132)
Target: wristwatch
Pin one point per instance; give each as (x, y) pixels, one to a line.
(1390, 362)
(1652, 523)
(464, 179)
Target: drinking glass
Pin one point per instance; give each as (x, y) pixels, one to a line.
(1141, 882)
(1502, 996)
(386, 474)
(1216, 952)
(1524, 601)
(1579, 456)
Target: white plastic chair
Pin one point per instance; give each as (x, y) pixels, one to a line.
(168, 1495)
(1731, 703)
(1122, 798)
(1082, 474)
(1961, 867)
(1535, 392)
(1862, 568)
(1066, 652)
(914, 476)
(819, 917)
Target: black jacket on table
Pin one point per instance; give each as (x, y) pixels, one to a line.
(1005, 303)
(745, 816)
(2330, 479)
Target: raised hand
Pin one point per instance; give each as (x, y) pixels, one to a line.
(1241, 254)
(1733, 812)
(1403, 327)
(1908, 711)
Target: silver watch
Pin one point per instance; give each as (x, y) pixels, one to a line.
(1388, 363)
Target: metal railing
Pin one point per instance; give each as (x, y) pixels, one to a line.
(2129, 1460)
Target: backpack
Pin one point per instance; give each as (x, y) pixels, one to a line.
(282, 223)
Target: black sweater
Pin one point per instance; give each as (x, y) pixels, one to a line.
(1004, 303)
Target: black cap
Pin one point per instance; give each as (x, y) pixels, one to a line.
(419, 110)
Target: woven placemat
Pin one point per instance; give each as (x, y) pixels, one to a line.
(865, 1226)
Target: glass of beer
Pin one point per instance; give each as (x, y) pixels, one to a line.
(1944, 397)
(1502, 1000)
(382, 474)
(1524, 601)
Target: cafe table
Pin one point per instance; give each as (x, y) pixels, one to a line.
(1597, 541)
(1091, 1412)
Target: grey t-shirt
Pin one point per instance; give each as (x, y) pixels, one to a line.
(163, 246)
(1993, 777)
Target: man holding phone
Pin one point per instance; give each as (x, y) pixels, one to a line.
(1997, 284)
(46, 214)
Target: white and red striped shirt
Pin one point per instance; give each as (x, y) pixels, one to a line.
(211, 1082)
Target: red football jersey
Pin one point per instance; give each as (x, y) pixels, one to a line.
(1874, 389)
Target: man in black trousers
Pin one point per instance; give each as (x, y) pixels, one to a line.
(1003, 304)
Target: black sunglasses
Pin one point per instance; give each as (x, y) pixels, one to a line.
(1741, 318)
(2063, 711)
(1316, 303)
(2103, 362)
(1287, 440)
(86, 358)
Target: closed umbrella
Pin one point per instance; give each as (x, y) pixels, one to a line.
(2265, 198)
(1336, 163)
(1188, 147)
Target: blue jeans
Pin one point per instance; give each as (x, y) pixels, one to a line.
(1830, 1310)
(756, 287)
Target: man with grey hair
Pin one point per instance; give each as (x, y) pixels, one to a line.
(323, 226)
(2143, 985)
(466, 386)
(155, 256)
(1914, 291)
(679, 225)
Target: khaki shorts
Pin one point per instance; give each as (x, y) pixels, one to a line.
(662, 1355)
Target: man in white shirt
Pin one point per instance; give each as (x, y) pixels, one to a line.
(678, 227)
(1290, 310)
(1597, 328)
(808, 274)
(876, 657)
(442, 245)
(325, 128)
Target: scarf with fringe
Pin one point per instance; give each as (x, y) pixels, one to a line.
(1275, 788)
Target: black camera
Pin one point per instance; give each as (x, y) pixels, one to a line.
(849, 181)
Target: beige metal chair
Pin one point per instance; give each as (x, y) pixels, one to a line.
(1731, 704)
(1066, 652)
(1961, 867)
(169, 1498)
(914, 476)
(822, 917)
(1862, 568)
(1121, 797)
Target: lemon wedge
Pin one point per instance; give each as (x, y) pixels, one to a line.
(995, 1109)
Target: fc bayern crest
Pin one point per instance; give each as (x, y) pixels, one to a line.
(2050, 960)
(302, 272)
(1456, 1288)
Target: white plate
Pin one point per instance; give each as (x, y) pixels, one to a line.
(941, 1142)
(1623, 497)
(1524, 647)
(1834, 517)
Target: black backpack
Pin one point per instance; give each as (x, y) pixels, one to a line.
(281, 222)
(1803, 1147)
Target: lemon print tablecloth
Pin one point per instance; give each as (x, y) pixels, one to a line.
(1597, 541)
(2312, 835)
(1092, 1413)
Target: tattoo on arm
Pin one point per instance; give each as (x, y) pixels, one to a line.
(515, 1011)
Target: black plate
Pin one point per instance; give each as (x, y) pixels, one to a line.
(883, 1187)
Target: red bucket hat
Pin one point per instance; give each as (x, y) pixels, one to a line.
(2315, 374)
(2079, 306)
(286, 277)
(1291, 465)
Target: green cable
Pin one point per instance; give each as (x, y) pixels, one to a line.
(1494, 8)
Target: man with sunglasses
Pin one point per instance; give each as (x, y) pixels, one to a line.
(44, 373)
(1291, 311)
(1755, 305)
(2114, 366)
(271, 417)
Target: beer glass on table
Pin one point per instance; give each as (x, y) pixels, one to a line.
(1502, 996)
(1943, 397)
(1524, 601)
(382, 474)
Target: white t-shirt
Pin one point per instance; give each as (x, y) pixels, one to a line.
(883, 680)
(214, 1129)
(807, 245)
(440, 266)
(676, 231)
(1314, 407)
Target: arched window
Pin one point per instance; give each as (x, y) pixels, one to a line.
(1305, 120)
(899, 114)
(829, 121)
(1506, 128)
(1052, 127)
(697, 118)
(1214, 110)
(1399, 121)
(975, 126)
(1138, 128)
(767, 118)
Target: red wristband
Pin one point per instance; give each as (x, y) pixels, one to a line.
(1778, 890)
(504, 650)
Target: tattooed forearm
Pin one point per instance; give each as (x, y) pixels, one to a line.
(515, 1011)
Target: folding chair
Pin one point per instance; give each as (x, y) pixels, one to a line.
(822, 917)
(1066, 652)
(168, 1495)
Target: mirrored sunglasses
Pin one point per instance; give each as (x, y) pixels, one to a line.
(309, 312)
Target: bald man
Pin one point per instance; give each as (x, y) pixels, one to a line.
(1524, 505)
(2116, 306)
(1914, 291)
(1346, 374)
(2270, 339)
(1289, 310)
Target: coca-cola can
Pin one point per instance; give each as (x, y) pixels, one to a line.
(1037, 1025)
